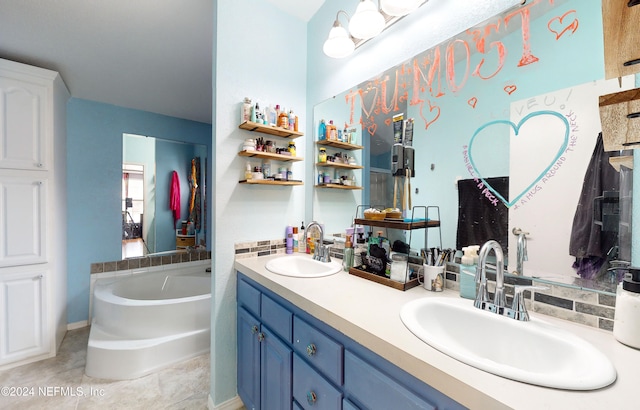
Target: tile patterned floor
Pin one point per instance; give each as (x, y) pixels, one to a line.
(60, 383)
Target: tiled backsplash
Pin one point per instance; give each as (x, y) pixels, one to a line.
(591, 308)
(149, 261)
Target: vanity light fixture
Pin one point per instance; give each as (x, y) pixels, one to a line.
(367, 22)
(339, 44)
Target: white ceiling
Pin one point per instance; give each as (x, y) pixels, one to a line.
(151, 55)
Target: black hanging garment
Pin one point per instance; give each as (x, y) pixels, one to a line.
(589, 242)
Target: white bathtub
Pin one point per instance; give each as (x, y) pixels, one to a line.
(144, 322)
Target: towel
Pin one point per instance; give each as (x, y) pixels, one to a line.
(174, 197)
(478, 219)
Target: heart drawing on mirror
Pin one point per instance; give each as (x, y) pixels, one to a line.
(534, 177)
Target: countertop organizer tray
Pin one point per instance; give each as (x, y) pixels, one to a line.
(384, 281)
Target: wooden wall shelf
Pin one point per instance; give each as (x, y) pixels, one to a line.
(267, 129)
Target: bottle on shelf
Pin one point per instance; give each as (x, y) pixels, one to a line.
(292, 120)
(247, 172)
(245, 110)
(322, 131)
(283, 119)
(322, 155)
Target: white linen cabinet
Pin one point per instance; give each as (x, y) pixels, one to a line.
(33, 274)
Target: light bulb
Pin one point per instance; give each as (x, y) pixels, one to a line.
(338, 44)
(367, 22)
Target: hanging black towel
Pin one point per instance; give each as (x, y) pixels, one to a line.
(587, 238)
(478, 219)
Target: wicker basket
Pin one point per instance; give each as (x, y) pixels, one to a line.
(375, 216)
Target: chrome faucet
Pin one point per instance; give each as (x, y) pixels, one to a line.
(518, 309)
(521, 255)
(320, 251)
(482, 297)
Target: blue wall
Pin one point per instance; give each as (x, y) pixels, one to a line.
(94, 172)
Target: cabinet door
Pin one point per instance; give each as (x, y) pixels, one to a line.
(23, 331)
(22, 218)
(621, 38)
(248, 360)
(22, 125)
(276, 372)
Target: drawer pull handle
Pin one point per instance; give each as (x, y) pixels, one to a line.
(312, 398)
(311, 349)
(633, 3)
(254, 329)
(260, 337)
(633, 114)
(631, 62)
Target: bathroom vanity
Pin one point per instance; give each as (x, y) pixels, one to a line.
(345, 334)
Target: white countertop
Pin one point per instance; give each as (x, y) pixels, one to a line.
(369, 313)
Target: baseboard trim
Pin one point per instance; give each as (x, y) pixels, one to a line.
(77, 325)
(231, 404)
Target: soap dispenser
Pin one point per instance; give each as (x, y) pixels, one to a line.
(347, 261)
(467, 276)
(626, 322)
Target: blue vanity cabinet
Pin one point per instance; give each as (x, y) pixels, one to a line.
(303, 363)
(264, 351)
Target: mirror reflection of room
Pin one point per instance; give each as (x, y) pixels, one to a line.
(488, 127)
(162, 196)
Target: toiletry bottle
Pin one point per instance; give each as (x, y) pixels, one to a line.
(347, 258)
(283, 119)
(360, 251)
(254, 114)
(292, 120)
(245, 113)
(247, 172)
(272, 116)
(302, 246)
(295, 123)
(292, 148)
(322, 155)
(626, 326)
(289, 239)
(295, 239)
(266, 168)
(322, 131)
(468, 272)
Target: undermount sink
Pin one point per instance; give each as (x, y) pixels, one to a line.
(302, 266)
(533, 352)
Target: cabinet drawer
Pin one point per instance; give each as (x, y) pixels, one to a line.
(311, 390)
(320, 350)
(375, 390)
(279, 319)
(184, 241)
(620, 119)
(249, 297)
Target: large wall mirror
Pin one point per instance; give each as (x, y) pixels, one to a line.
(506, 132)
(163, 188)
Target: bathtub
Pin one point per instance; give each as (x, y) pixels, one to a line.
(144, 322)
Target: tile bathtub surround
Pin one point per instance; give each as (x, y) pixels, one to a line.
(148, 261)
